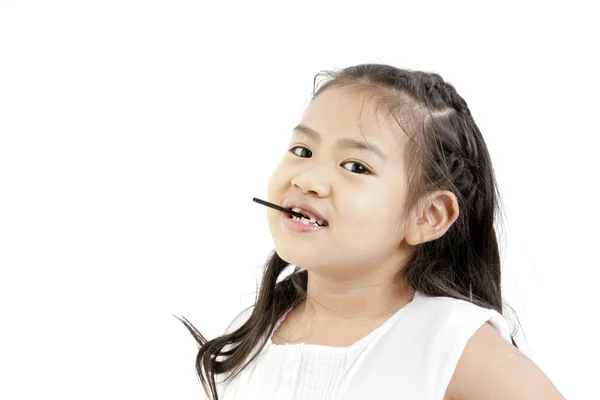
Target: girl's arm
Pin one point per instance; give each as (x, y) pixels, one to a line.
(491, 368)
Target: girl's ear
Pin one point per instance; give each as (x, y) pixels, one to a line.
(434, 216)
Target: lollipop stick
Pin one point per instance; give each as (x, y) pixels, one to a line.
(275, 206)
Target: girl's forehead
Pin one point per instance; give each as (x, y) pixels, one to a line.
(336, 113)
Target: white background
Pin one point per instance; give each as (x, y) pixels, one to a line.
(134, 135)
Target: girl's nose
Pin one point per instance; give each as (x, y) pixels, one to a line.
(311, 184)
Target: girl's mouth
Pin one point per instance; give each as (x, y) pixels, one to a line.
(294, 219)
(306, 219)
(296, 224)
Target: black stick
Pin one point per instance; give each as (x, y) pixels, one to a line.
(275, 206)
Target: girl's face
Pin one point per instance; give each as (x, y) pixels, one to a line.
(346, 163)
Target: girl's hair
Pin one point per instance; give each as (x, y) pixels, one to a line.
(446, 151)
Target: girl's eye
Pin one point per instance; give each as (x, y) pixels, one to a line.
(293, 150)
(359, 168)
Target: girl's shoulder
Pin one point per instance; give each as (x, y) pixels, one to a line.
(493, 369)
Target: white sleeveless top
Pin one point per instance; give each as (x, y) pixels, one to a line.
(412, 355)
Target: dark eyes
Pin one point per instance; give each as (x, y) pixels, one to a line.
(359, 168)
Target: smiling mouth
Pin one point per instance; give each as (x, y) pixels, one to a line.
(306, 219)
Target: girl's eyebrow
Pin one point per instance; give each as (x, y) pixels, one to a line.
(342, 143)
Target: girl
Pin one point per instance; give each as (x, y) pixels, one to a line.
(395, 291)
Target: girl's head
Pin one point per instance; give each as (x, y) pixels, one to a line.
(395, 163)
(347, 159)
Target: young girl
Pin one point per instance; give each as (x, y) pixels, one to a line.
(395, 291)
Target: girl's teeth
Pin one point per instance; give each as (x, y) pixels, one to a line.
(305, 221)
(311, 220)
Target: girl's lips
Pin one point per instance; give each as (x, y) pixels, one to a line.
(306, 209)
(297, 226)
(310, 215)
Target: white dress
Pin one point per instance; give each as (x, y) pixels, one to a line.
(411, 356)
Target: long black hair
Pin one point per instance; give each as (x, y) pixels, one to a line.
(446, 151)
